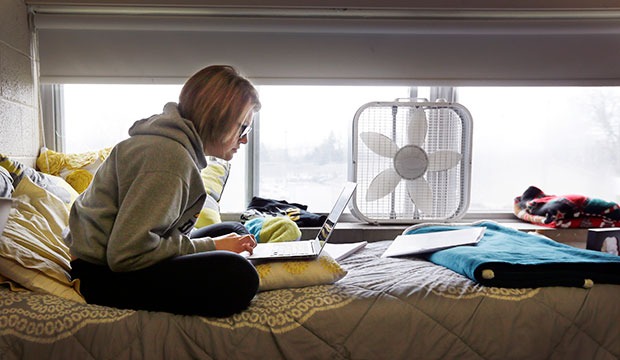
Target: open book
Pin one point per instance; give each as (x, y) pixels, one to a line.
(429, 242)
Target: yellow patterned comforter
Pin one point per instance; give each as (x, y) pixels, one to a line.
(384, 308)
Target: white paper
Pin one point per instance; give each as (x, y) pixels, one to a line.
(342, 251)
(429, 242)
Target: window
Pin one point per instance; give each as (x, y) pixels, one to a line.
(563, 140)
(304, 139)
(560, 139)
(303, 134)
(98, 116)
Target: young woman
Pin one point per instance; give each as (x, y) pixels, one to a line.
(130, 230)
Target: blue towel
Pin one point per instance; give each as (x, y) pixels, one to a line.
(505, 257)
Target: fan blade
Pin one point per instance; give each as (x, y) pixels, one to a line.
(384, 183)
(380, 144)
(420, 193)
(417, 127)
(443, 160)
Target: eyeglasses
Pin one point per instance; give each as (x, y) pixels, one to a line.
(245, 130)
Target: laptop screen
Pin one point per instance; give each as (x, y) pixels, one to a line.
(334, 215)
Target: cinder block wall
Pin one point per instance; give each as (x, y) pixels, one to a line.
(19, 115)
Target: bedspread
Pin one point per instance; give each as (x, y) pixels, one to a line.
(385, 308)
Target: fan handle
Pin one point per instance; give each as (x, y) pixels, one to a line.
(417, 99)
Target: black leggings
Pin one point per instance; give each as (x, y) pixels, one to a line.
(213, 283)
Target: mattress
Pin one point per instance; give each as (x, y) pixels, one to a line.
(385, 308)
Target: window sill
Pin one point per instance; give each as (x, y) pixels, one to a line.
(350, 229)
(353, 232)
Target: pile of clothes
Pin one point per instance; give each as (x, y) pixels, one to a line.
(261, 207)
(566, 211)
(278, 220)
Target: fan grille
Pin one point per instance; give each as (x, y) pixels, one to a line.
(445, 131)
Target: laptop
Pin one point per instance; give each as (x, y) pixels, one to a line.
(306, 249)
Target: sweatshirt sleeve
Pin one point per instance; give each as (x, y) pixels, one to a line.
(143, 232)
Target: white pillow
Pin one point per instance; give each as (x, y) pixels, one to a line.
(32, 253)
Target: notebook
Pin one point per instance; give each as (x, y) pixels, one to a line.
(342, 251)
(430, 242)
(306, 249)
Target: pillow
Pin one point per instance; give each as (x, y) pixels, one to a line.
(20, 278)
(54, 184)
(61, 188)
(290, 274)
(273, 229)
(32, 253)
(214, 177)
(12, 285)
(77, 169)
(6, 183)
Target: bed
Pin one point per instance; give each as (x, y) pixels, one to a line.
(384, 308)
(363, 307)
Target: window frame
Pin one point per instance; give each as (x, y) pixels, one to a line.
(52, 112)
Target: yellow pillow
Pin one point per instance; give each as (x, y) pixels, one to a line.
(214, 177)
(209, 214)
(77, 169)
(32, 253)
(12, 285)
(291, 274)
(21, 278)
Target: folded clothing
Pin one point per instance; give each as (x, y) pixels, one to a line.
(273, 229)
(566, 211)
(506, 257)
(261, 207)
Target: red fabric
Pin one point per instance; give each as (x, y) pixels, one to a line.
(566, 211)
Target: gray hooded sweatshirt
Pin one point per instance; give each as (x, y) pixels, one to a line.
(144, 199)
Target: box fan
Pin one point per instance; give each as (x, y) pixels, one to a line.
(411, 159)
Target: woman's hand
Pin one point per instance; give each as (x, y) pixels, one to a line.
(235, 243)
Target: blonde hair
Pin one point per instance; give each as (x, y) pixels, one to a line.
(214, 99)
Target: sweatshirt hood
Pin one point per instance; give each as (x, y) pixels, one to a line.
(171, 125)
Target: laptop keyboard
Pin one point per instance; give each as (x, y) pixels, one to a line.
(290, 248)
